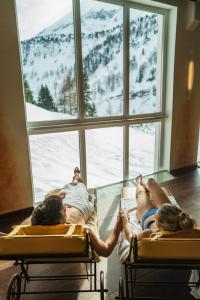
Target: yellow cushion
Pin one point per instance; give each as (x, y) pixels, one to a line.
(56, 239)
(60, 229)
(170, 245)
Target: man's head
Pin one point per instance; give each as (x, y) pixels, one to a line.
(50, 212)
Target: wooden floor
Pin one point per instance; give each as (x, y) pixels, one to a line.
(185, 188)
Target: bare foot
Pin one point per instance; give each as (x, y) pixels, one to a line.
(140, 187)
(77, 176)
(139, 179)
(150, 182)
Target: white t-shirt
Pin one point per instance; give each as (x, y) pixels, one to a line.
(78, 196)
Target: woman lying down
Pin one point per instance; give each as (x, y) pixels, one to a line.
(154, 213)
(74, 205)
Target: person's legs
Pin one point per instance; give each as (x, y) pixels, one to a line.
(157, 195)
(144, 203)
(77, 199)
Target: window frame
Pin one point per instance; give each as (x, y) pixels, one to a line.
(80, 123)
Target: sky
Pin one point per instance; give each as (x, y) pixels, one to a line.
(35, 15)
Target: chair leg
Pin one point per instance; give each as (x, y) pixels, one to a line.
(121, 289)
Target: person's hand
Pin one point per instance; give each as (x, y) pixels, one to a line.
(143, 234)
(61, 194)
(119, 223)
(123, 214)
(86, 228)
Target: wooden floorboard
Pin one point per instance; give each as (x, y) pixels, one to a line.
(186, 190)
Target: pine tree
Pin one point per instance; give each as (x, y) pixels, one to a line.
(68, 100)
(154, 91)
(141, 72)
(45, 99)
(27, 92)
(89, 106)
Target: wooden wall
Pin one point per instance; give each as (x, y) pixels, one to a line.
(15, 176)
(186, 112)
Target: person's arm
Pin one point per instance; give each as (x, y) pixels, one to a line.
(105, 248)
(126, 225)
(127, 228)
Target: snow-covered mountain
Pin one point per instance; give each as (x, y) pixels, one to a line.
(49, 57)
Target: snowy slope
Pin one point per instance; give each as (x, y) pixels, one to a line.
(49, 56)
(35, 113)
(55, 155)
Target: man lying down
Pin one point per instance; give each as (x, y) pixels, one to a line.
(74, 205)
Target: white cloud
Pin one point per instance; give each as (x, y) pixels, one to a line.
(35, 15)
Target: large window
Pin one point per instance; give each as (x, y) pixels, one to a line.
(93, 86)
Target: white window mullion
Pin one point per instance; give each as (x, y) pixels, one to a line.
(78, 55)
(163, 63)
(126, 90)
(157, 157)
(159, 146)
(79, 82)
(126, 59)
(126, 153)
(82, 149)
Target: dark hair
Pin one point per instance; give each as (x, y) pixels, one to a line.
(48, 212)
(172, 218)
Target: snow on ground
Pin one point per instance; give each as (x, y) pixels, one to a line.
(55, 155)
(35, 113)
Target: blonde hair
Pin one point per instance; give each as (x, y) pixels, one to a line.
(172, 218)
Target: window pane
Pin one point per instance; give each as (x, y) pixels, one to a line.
(46, 33)
(54, 157)
(104, 156)
(102, 48)
(145, 62)
(142, 149)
